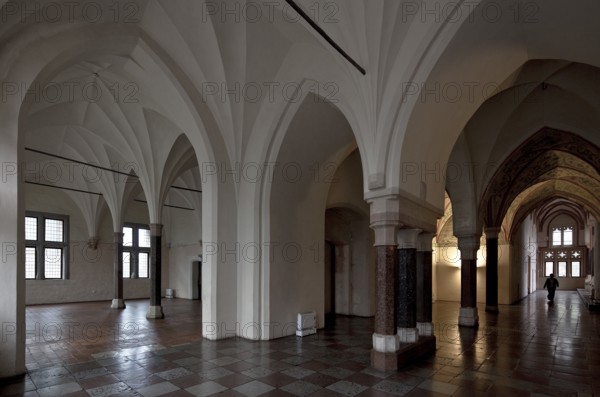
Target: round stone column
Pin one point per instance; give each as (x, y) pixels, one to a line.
(155, 309)
(118, 302)
(468, 246)
(491, 270)
(425, 284)
(384, 221)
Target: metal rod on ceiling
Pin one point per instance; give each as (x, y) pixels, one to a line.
(99, 194)
(167, 205)
(323, 34)
(101, 168)
(80, 162)
(63, 188)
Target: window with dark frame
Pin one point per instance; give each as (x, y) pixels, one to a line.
(46, 246)
(563, 258)
(562, 236)
(136, 251)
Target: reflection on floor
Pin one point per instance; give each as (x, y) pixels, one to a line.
(529, 349)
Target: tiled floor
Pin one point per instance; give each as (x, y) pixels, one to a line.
(529, 349)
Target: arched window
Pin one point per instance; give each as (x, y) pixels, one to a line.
(562, 236)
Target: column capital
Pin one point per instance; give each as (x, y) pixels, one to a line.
(407, 238)
(492, 232)
(468, 246)
(385, 234)
(385, 219)
(156, 229)
(92, 242)
(118, 237)
(425, 242)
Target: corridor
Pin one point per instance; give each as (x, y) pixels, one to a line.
(529, 349)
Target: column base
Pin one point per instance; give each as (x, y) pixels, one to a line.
(491, 309)
(407, 354)
(386, 343)
(384, 362)
(117, 304)
(155, 312)
(408, 335)
(425, 329)
(468, 317)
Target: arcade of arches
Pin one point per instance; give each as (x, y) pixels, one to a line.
(249, 164)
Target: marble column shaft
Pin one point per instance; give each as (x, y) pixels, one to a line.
(468, 279)
(491, 270)
(425, 280)
(468, 257)
(155, 309)
(384, 222)
(118, 302)
(155, 264)
(468, 246)
(387, 265)
(406, 302)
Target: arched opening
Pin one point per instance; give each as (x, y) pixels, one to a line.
(318, 180)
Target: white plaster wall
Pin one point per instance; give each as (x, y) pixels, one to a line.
(185, 233)
(446, 270)
(355, 269)
(181, 260)
(523, 250)
(319, 138)
(363, 271)
(91, 272)
(355, 289)
(504, 268)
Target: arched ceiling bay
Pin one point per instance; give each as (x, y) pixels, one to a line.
(568, 161)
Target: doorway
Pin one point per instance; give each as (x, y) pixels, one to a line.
(329, 285)
(197, 280)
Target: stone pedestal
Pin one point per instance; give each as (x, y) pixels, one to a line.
(408, 335)
(118, 302)
(154, 312)
(468, 317)
(491, 270)
(155, 309)
(468, 246)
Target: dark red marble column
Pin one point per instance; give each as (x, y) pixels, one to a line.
(406, 303)
(425, 284)
(491, 270)
(468, 246)
(384, 221)
(118, 302)
(155, 308)
(387, 265)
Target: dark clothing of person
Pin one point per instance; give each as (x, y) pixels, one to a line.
(552, 284)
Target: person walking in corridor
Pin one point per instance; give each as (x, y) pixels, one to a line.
(551, 283)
